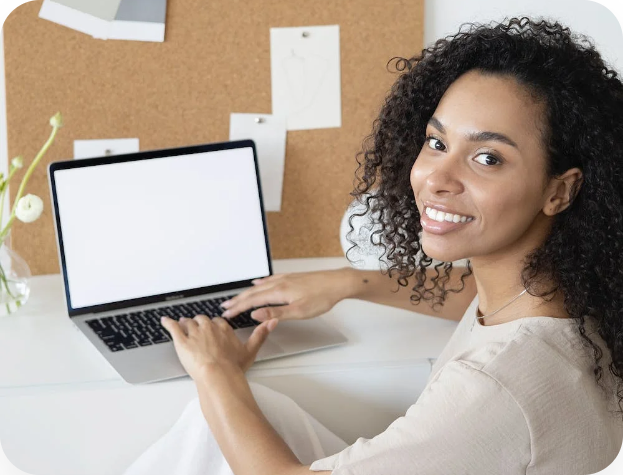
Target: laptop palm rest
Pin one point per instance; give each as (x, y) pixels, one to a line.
(297, 336)
(269, 348)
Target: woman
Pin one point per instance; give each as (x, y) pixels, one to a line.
(501, 144)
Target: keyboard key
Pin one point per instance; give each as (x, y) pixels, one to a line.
(143, 328)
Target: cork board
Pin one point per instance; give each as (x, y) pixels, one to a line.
(215, 60)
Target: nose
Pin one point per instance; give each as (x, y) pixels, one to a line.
(444, 177)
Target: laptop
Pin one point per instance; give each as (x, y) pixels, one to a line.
(167, 232)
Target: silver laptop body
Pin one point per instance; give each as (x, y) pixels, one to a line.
(144, 232)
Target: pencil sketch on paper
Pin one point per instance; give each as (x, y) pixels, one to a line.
(305, 76)
(305, 73)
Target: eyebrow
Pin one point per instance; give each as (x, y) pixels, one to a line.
(476, 136)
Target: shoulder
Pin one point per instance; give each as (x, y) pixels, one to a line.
(546, 348)
(540, 366)
(458, 418)
(464, 382)
(461, 393)
(545, 369)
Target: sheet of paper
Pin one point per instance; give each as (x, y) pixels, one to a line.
(269, 134)
(305, 71)
(101, 148)
(93, 17)
(139, 20)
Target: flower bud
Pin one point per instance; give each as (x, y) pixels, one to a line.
(18, 162)
(57, 120)
(29, 208)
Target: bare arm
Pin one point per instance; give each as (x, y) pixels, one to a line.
(373, 286)
(309, 294)
(216, 360)
(249, 443)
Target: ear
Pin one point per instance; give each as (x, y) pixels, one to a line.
(562, 190)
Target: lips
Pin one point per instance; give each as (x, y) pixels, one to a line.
(442, 208)
(435, 227)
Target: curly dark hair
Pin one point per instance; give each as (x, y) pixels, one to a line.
(583, 101)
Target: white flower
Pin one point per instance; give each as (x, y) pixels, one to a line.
(18, 162)
(57, 120)
(29, 208)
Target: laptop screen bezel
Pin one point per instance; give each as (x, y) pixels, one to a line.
(171, 152)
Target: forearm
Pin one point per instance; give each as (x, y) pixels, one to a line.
(249, 443)
(374, 286)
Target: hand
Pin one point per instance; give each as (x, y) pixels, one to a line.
(201, 342)
(299, 296)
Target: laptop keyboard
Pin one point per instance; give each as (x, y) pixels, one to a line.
(131, 330)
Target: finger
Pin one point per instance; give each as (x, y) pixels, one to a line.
(187, 324)
(269, 278)
(242, 296)
(201, 319)
(222, 324)
(258, 337)
(173, 328)
(282, 312)
(256, 282)
(272, 295)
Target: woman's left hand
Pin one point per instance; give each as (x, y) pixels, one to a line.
(201, 342)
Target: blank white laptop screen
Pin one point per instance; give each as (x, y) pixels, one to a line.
(160, 225)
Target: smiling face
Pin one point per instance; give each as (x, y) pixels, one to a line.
(484, 160)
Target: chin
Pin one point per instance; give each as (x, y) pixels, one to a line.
(442, 254)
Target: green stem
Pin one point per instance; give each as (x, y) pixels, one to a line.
(4, 191)
(20, 191)
(5, 283)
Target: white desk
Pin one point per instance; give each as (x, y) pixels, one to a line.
(65, 411)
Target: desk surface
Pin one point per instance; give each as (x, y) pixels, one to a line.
(52, 379)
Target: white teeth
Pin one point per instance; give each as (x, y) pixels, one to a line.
(440, 216)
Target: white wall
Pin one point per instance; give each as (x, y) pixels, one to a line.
(444, 17)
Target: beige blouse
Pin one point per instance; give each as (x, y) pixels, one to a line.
(518, 397)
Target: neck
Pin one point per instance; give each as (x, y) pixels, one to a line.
(498, 282)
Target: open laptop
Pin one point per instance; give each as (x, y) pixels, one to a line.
(166, 232)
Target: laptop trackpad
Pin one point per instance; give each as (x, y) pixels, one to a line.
(268, 348)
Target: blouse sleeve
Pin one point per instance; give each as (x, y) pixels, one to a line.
(463, 422)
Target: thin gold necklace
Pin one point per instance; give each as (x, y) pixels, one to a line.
(503, 306)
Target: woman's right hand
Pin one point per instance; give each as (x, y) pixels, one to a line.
(297, 296)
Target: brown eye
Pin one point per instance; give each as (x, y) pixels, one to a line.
(490, 160)
(435, 144)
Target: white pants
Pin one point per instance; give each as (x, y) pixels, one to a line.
(189, 448)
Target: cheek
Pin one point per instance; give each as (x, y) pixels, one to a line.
(417, 176)
(505, 211)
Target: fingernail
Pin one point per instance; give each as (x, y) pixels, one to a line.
(226, 313)
(226, 304)
(162, 319)
(272, 324)
(254, 281)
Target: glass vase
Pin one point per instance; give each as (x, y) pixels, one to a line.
(14, 279)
